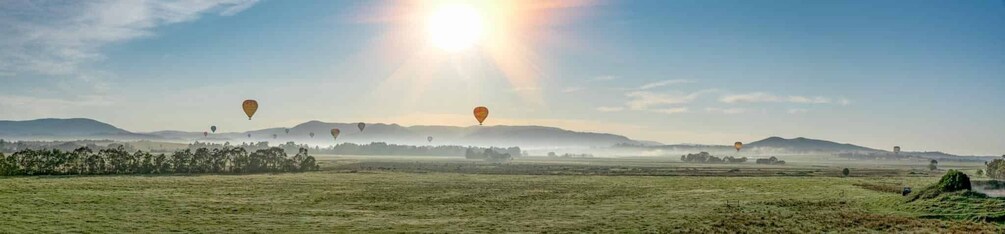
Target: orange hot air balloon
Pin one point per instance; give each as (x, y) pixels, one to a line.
(361, 126)
(250, 106)
(738, 145)
(481, 113)
(335, 133)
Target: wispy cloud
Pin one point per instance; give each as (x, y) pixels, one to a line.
(642, 100)
(728, 111)
(844, 102)
(665, 103)
(662, 83)
(674, 110)
(610, 108)
(55, 38)
(762, 97)
(525, 89)
(797, 111)
(572, 89)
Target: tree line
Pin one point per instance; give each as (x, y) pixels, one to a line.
(84, 161)
(488, 155)
(705, 157)
(996, 168)
(375, 148)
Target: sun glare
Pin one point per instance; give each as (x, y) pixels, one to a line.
(455, 27)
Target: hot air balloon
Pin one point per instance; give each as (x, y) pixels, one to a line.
(212, 128)
(335, 133)
(312, 134)
(361, 126)
(429, 139)
(205, 134)
(287, 131)
(249, 135)
(274, 136)
(738, 145)
(250, 106)
(896, 150)
(481, 113)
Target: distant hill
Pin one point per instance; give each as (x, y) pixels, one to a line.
(523, 136)
(539, 137)
(61, 129)
(769, 146)
(805, 145)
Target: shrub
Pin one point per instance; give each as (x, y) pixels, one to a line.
(845, 172)
(952, 181)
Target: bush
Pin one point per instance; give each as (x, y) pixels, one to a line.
(845, 172)
(952, 181)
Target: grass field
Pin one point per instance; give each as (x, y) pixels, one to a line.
(384, 194)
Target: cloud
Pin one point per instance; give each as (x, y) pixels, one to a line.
(610, 108)
(761, 97)
(663, 83)
(728, 111)
(797, 111)
(751, 97)
(675, 110)
(238, 7)
(642, 100)
(844, 102)
(572, 89)
(809, 100)
(525, 89)
(55, 38)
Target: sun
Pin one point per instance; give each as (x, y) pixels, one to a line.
(455, 27)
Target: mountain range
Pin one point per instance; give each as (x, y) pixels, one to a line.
(524, 136)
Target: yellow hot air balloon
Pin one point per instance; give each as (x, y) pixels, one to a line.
(738, 145)
(335, 133)
(361, 126)
(481, 113)
(250, 106)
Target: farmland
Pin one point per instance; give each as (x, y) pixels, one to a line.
(426, 194)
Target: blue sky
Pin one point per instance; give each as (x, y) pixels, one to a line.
(926, 75)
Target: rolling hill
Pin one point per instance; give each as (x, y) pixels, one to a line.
(805, 145)
(62, 129)
(524, 136)
(529, 137)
